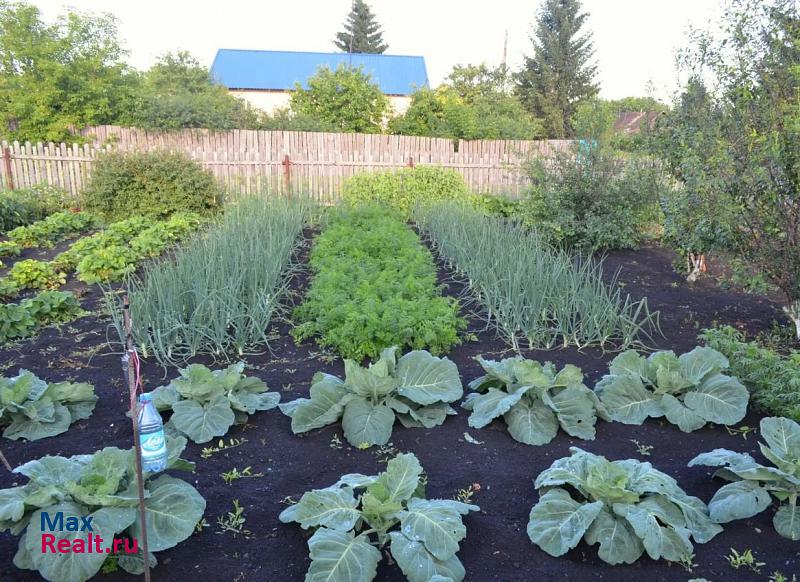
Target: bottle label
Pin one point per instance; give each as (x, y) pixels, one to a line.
(153, 445)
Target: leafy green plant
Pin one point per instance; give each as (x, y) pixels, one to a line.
(32, 409)
(535, 292)
(627, 507)
(417, 390)
(243, 263)
(689, 390)
(18, 320)
(534, 400)
(752, 485)
(9, 248)
(403, 189)
(33, 274)
(52, 229)
(358, 516)
(205, 404)
(772, 378)
(374, 286)
(152, 184)
(100, 486)
(25, 206)
(745, 559)
(106, 264)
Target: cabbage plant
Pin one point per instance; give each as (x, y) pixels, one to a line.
(534, 400)
(627, 507)
(205, 404)
(32, 409)
(752, 485)
(416, 389)
(359, 515)
(100, 487)
(689, 390)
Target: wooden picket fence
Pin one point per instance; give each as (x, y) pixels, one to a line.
(247, 161)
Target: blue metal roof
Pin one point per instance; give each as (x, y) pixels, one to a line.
(280, 70)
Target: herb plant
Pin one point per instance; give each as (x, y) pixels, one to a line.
(374, 286)
(206, 404)
(32, 409)
(100, 486)
(752, 485)
(359, 515)
(417, 390)
(534, 400)
(689, 390)
(627, 507)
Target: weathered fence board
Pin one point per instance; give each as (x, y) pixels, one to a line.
(247, 161)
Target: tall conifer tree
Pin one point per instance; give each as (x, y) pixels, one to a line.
(362, 33)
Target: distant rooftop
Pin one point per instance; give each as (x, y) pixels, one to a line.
(280, 70)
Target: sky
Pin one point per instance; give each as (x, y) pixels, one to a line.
(635, 40)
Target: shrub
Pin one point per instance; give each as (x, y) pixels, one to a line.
(154, 184)
(27, 205)
(206, 404)
(352, 528)
(403, 189)
(534, 400)
(592, 198)
(773, 379)
(32, 409)
(531, 290)
(417, 389)
(627, 507)
(101, 485)
(752, 485)
(374, 286)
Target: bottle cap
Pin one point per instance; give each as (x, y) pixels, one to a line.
(145, 397)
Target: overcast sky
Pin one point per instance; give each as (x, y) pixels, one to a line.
(635, 39)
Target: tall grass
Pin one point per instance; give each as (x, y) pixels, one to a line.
(218, 294)
(532, 291)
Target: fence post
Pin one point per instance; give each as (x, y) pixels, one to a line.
(287, 174)
(410, 161)
(7, 167)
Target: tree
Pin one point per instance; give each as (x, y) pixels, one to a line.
(57, 77)
(474, 81)
(346, 98)
(560, 73)
(178, 92)
(752, 144)
(362, 33)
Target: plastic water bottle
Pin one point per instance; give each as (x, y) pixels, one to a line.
(151, 436)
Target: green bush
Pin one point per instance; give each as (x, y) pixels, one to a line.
(153, 184)
(402, 189)
(593, 198)
(773, 379)
(25, 206)
(374, 287)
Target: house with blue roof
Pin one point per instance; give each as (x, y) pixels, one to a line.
(266, 78)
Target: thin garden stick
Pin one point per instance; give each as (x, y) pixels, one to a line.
(131, 361)
(5, 462)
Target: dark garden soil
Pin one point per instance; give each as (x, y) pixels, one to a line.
(497, 546)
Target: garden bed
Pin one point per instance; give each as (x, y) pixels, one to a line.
(496, 547)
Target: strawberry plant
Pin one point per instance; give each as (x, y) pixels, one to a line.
(752, 485)
(99, 488)
(534, 400)
(33, 274)
(32, 409)
(417, 390)
(52, 229)
(689, 390)
(359, 515)
(206, 404)
(9, 248)
(18, 320)
(627, 507)
(107, 264)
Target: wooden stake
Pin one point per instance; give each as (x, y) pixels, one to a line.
(5, 462)
(126, 319)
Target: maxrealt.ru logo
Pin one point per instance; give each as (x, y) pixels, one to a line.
(90, 544)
